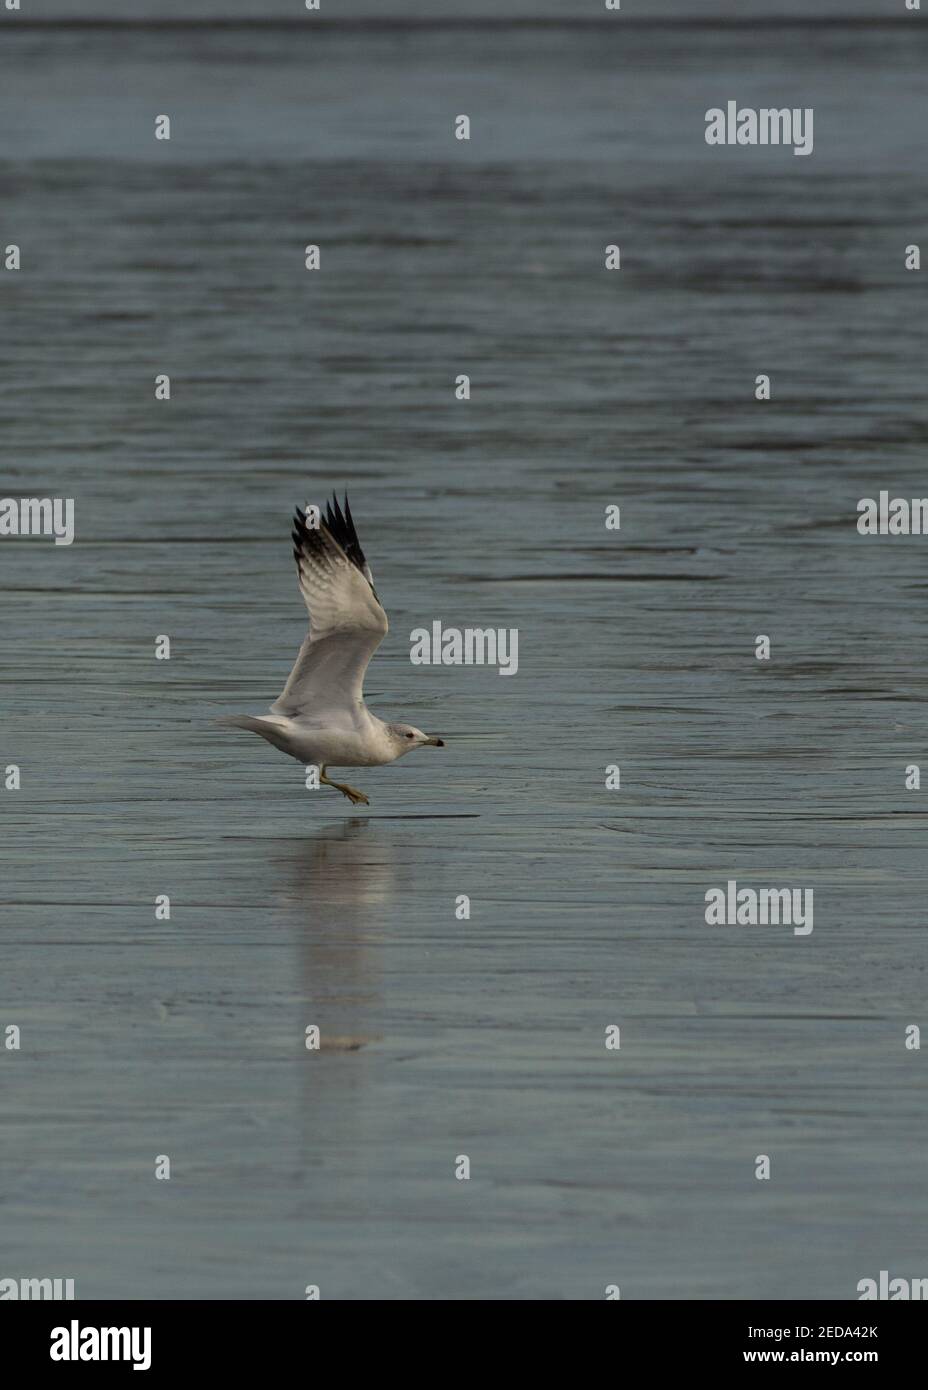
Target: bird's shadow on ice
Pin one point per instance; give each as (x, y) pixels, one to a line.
(348, 866)
(336, 887)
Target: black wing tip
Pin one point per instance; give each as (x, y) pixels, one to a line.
(339, 524)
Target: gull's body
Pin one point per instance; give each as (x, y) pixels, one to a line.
(320, 717)
(366, 746)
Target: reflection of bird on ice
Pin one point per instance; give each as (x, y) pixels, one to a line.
(321, 718)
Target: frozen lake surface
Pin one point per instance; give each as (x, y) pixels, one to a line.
(483, 1037)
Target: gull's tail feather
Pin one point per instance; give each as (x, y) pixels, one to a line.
(241, 721)
(271, 728)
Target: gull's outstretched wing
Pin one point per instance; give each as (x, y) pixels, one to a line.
(346, 621)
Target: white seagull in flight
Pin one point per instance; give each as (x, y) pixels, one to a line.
(321, 718)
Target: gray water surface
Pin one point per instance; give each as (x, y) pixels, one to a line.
(444, 1037)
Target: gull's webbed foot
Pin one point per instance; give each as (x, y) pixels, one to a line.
(354, 796)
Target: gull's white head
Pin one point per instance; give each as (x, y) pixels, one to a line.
(406, 737)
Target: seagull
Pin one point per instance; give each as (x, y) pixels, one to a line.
(320, 717)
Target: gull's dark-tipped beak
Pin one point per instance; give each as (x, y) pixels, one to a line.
(436, 742)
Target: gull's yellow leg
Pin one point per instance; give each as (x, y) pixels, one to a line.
(354, 796)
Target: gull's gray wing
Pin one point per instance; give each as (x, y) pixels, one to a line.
(346, 622)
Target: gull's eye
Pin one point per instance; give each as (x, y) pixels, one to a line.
(410, 735)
